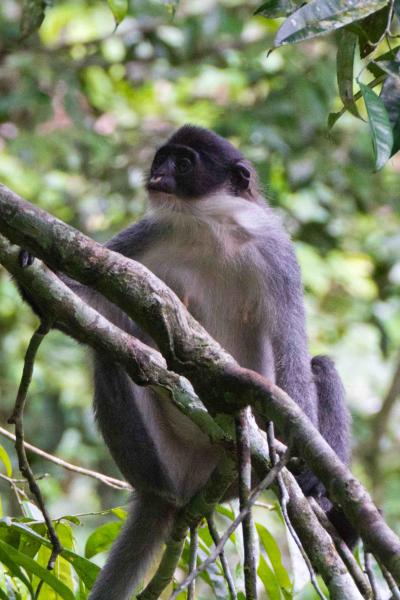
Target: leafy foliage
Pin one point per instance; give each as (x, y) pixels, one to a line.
(368, 23)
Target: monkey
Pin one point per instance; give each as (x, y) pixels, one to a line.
(211, 236)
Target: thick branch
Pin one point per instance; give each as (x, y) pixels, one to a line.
(89, 326)
(190, 351)
(344, 552)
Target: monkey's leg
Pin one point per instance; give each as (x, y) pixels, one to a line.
(147, 527)
(334, 425)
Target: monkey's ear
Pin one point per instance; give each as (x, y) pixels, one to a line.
(241, 176)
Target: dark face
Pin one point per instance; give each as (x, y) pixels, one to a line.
(196, 162)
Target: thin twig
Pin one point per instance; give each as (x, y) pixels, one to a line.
(17, 491)
(110, 481)
(17, 419)
(386, 32)
(380, 423)
(244, 459)
(370, 574)
(224, 563)
(284, 499)
(391, 582)
(343, 551)
(260, 487)
(193, 550)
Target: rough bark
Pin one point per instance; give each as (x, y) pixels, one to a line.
(190, 351)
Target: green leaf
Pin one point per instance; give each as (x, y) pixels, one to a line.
(8, 560)
(374, 65)
(5, 459)
(347, 42)
(62, 570)
(3, 595)
(381, 130)
(371, 29)
(119, 512)
(84, 568)
(391, 67)
(268, 578)
(33, 12)
(277, 8)
(390, 96)
(274, 554)
(119, 9)
(333, 117)
(33, 567)
(397, 9)
(102, 538)
(322, 16)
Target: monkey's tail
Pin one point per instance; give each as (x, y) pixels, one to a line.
(334, 425)
(147, 527)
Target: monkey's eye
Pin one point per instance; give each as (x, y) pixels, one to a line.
(183, 165)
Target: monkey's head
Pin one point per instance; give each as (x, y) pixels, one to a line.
(196, 162)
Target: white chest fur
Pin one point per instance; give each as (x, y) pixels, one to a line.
(210, 258)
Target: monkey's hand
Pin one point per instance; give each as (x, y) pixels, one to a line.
(25, 258)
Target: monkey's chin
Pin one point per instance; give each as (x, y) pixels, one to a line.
(164, 200)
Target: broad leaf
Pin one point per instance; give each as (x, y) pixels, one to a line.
(277, 8)
(374, 66)
(397, 9)
(391, 67)
(119, 9)
(5, 459)
(333, 117)
(32, 16)
(347, 42)
(102, 538)
(371, 29)
(13, 566)
(381, 130)
(3, 595)
(274, 554)
(33, 567)
(84, 568)
(390, 96)
(268, 578)
(321, 16)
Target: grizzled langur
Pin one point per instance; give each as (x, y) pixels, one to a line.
(210, 236)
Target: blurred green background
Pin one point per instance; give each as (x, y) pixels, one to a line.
(83, 106)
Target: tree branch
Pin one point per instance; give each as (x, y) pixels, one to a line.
(192, 352)
(244, 459)
(90, 327)
(379, 426)
(193, 551)
(110, 481)
(343, 550)
(284, 501)
(17, 418)
(224, 564)
(260, 487)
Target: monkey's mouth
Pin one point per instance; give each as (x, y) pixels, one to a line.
(158, 183)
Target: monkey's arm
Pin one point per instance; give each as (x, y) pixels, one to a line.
(288, 332)
(130, 242)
